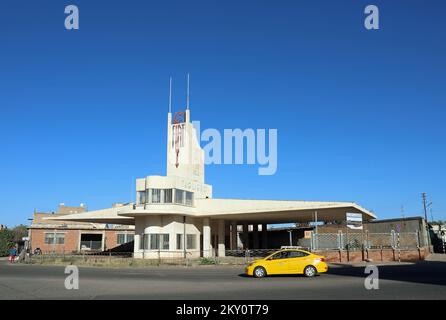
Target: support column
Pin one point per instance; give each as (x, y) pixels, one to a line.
(227, 235)
(79, 242)
(104, 239)
(234, 235)
(221, 238)
(207, 238)
(264, 236)
(136, 246)
(245, 236)
(255, 236)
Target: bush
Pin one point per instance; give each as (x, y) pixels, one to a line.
(207, 261)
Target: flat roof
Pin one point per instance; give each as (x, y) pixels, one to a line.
(396, 219)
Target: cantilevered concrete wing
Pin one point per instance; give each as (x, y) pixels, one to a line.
(267, 211)
(278, 211)
(261, 211)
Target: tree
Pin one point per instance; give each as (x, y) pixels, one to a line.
(6, 241)
(19, 232)
(9, 237)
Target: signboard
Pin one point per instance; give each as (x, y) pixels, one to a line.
(354, 221)
(179, 117)
(307, 234)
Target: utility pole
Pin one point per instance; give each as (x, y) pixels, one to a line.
(423, 196)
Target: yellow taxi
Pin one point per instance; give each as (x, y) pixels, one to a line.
(288, 261)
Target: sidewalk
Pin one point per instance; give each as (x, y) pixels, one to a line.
(436, 257)
(365, 263)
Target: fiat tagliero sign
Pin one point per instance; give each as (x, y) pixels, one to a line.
(354, 221)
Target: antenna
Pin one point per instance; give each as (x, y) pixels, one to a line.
(170, 95)
(187, 93)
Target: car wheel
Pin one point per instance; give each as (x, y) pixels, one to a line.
(259, 272)
(310, 271)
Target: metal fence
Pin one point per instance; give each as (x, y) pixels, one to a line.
(351, 241)
(150, 257)
(119, 259)
(364, 240)
(380, 241)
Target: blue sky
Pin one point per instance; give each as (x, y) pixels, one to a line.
(360, 114)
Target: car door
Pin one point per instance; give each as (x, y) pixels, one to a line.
(297, 261)
(278, 263)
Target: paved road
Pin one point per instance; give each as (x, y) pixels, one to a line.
(425, 280)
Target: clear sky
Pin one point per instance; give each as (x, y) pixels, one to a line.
(360, 114)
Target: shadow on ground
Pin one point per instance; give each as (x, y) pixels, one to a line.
(428, 272)
(243, 275)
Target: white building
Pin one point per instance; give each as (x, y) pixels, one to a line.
(176, 215)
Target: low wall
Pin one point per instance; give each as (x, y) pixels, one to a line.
(374, 255)
(166, 254)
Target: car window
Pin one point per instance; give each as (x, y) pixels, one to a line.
(297, 254)
(280, 255)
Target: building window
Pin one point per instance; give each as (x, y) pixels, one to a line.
(154, 242)
(145, 242)
(184, 197)
(189, 198)
(142, 197)
(49, 238)
(54, 238)
(179, 196)
(92, 241)
(167, 196)
(191, 241)
(159, 241)
(156, 195)
(124, 238)
(164, 241)
(160, 196)
(60, 238)
(179, 241)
